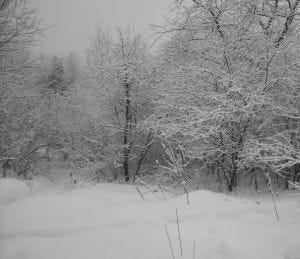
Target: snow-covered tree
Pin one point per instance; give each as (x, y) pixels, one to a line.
(231, 83)
(120, 66)
(19, 100)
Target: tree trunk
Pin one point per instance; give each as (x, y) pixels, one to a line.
(255, 182)
(6, 166)
(126, 133)
(143, 155)
(233, 176)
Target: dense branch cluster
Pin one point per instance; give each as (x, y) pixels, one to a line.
(230, 90)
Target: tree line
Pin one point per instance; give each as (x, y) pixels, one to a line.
(218, 102)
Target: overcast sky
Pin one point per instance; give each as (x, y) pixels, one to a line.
(74, 20)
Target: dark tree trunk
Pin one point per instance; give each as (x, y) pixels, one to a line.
(287, 183)
(126, 132)
(296, 170)
(298, 173)
(255, 182)
(6, 166)
(143, 155)
(233, 177)
(253, 176)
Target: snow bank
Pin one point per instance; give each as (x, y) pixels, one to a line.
(110, 221)
(12, 190)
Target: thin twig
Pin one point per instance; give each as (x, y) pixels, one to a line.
(187, 194)
(161, 190)
(194, 251)
(142, 183)
(140, 193)
(179, 236)
(170, 243)
(272, 194)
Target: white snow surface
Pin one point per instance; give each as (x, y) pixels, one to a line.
(12, 190)
(109, 221)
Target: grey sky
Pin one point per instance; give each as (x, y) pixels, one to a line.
(75, 20)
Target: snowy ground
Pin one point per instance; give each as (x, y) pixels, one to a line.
(109, 221)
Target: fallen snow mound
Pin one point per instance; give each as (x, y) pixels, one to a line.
(12, 190)
(111, 221)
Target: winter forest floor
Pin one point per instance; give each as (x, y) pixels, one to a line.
(107, 221)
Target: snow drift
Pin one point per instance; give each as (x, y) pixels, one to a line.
(110, 221)
(12, 190)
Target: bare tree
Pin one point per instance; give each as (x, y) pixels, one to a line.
(120, 67)
(19, 101)
(19, 26)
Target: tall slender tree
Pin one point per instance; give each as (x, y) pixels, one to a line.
(120, 68)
